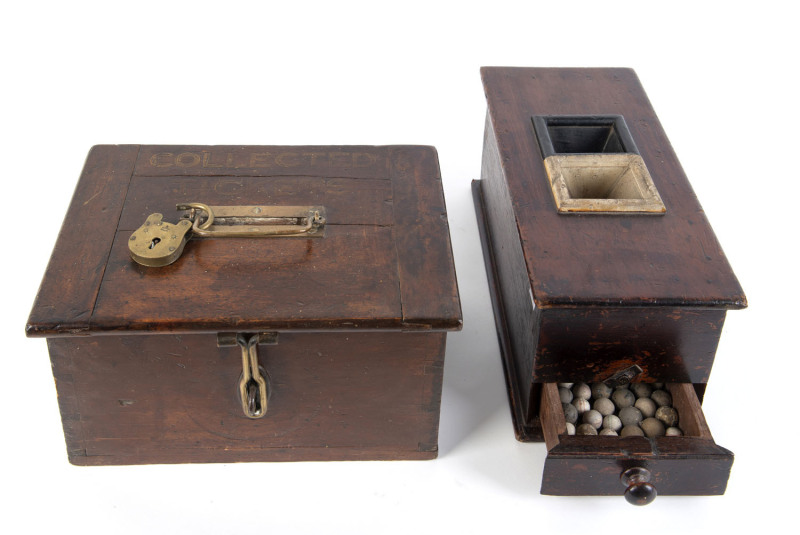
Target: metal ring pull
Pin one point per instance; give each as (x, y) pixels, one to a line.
(253, 387)
(194, 206)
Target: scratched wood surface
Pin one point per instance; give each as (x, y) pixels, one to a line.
(66, 297)
(385, 262)
(157, 389)
(586, 259)
(583, 297)
(142, 399)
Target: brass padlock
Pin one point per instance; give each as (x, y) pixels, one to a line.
(158, 243)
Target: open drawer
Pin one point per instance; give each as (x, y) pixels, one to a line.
(594, 465)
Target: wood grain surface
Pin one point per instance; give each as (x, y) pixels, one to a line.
(581, 297)
(173, 398)
(67, 295)
(157, 389)
(586, 259)
(385, 262)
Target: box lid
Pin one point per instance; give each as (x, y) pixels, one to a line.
(385, 261)
(671, 258)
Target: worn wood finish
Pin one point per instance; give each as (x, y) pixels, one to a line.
(580, 465)
(348, 201)
(353, 161)
(65, 302)
(669, 260)
(346, 280)
(173, 398)
(696, 469)
(425, 259)
(360, 312)
(582, 296)
(514, 322)
(584, 344)
(592, 344)
(387, 228)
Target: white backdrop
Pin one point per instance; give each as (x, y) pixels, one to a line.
(721, 77)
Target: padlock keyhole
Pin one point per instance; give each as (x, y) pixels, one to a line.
(154, 243)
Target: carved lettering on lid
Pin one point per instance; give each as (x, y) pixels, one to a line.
(262, 160)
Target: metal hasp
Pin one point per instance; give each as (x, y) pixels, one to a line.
(254, 221)
(157, 243)
(253, 384)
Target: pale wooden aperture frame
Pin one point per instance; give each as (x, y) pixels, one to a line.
(624, 178)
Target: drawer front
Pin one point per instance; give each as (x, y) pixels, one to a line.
(593, 465)
(175, 399)
(688, 467)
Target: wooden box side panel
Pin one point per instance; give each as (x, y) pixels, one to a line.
(589, 345)
(173, 399)
(510, 273)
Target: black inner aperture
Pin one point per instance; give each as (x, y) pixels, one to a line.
(583, 134)
(585, 139)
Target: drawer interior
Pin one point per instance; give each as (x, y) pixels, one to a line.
(692, 464)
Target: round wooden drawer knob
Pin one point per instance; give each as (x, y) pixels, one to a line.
(639, 489)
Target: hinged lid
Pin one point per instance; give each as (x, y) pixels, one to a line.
(384, 262)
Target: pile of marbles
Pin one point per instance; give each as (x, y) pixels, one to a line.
(636, 409)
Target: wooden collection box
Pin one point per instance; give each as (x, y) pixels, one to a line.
(322, 340)
(603, 268)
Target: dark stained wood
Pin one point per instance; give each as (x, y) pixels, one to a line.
(521, 390)
(173, 398)
(582, 297)
(348, 201)
(592, 344)
(385, 262)
(583, 344)
(357, 370)
(514, 285)
(240, 161)
(669, 327)
(592, 465)
(65, 302)
(346, 280)
(669, 260)
(702, 471)
(421, 234)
